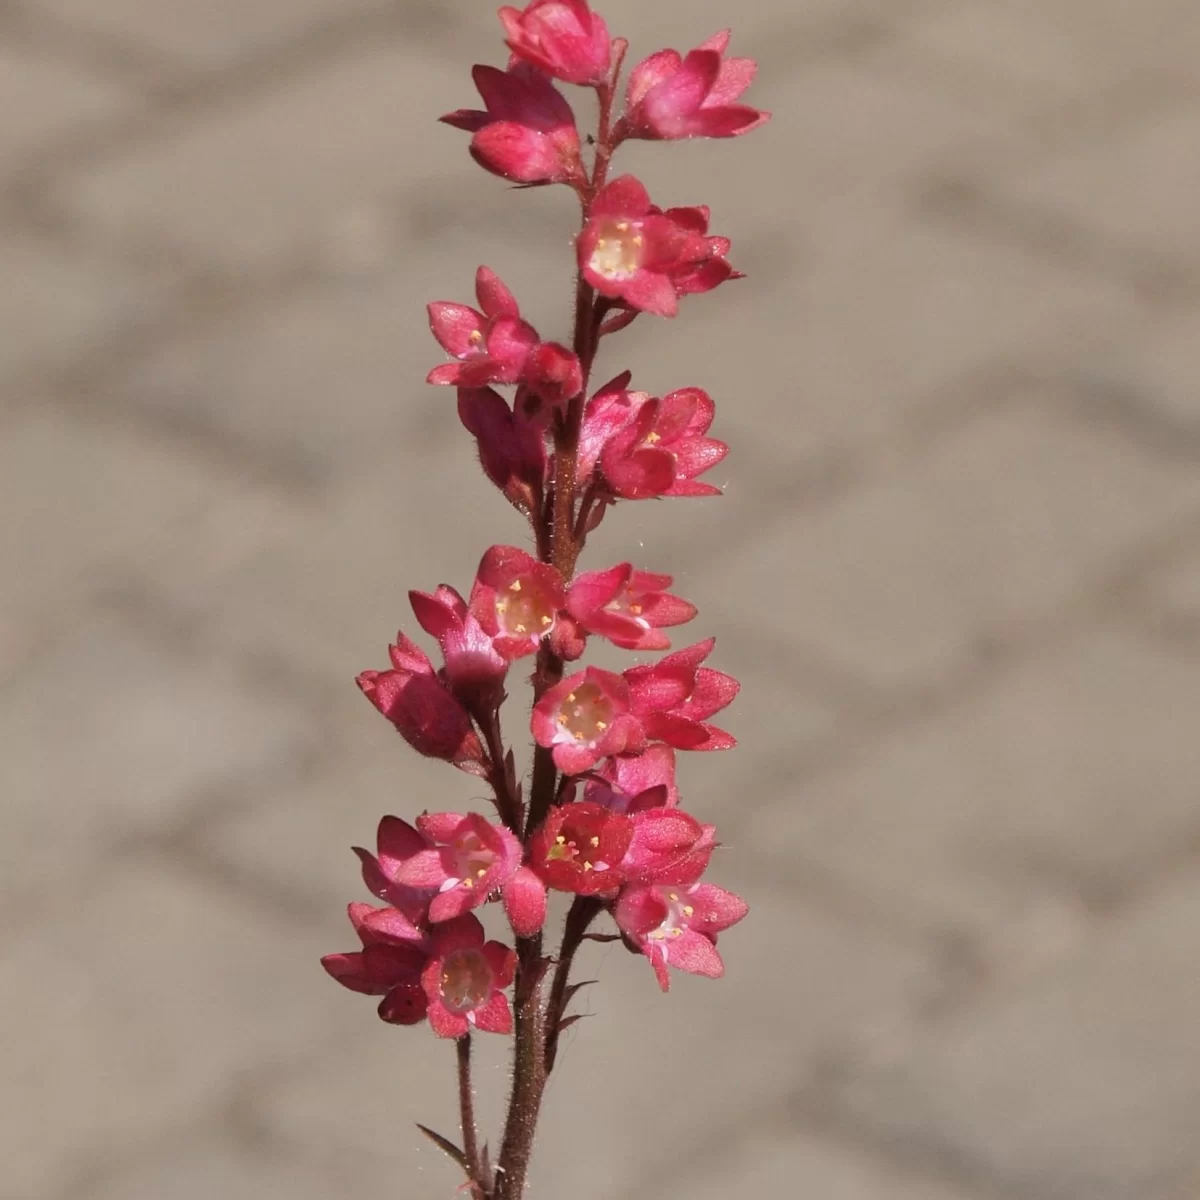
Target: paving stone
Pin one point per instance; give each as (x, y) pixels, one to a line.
(1173, 596)
(1157, 368)
(845, 145)
(330, 377)
(1036, 58)
(1107, 37)
(140, 728)
(993, 524)
(89, 498)
(841, 987)
(853, 343)
(1067, 778)
(1084, 1085)
(287, 168)
(58, 303)
(1134, 190)
(42, 100)
(159, 992)
(296, 834)
(327, 588)
(199, 1169)
(761, 28)
(788, 1161)
(210, 35)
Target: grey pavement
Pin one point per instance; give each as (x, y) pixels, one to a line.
(957, 568)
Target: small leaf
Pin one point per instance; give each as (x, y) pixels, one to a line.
(602, 937)
(567, 1022)
(570, 993)
(446, 1146)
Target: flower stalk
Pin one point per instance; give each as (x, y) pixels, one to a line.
(602, 819)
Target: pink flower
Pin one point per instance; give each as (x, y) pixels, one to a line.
(649, 447)
(678, 926)
(668, 846)
(672, 97)
(474, 669)
(626, 606)
(464, 979)
(579, 848)
(422, 708)
(516, 600)
(564, 38)
(553, 374)
(635, 252)
(585, 718)
(512, 450)
(632, 251)
(463, 858)
(528, 132)
(395, 841)
(390, 963)
(674, 697)
(491, 345)
(713, 268)
(525, 902)
(631, 783)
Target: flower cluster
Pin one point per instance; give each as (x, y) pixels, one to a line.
(600, 817)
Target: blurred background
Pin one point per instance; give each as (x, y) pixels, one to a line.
(957, 568)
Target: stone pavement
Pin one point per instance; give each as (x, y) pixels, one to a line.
(957, 567)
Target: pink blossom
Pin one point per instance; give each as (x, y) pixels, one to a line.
(674, 697)
(626, 606)
(516, 600)
(528, 132)
(668, 846)
(632, 251)
(395, 842)
(648, 447)
(474, 669)
(491, 345)
(585, 718)
(553, 374)
(678, 926)
(390, 963)
(713, 267)
(564, 38)
(672, 97)
(463, 858)
(579, 848)
(630, 783)
(424, 711)
(464, 979)
(525, 902)
(512, 450)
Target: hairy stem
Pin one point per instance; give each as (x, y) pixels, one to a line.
(529, 1072)
(557, 543)
(583, 911)
(507, 803)
(466, 1106)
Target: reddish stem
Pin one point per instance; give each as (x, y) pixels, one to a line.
(557, 543)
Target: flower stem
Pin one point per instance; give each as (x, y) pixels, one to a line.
(529, 1072)
(466, 1105)
(559, 544)
(583, 911)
